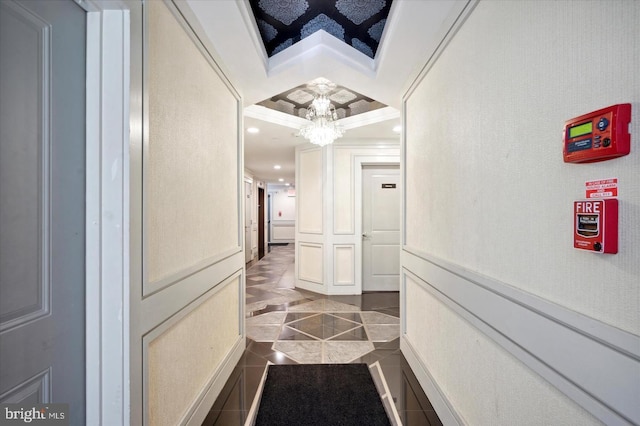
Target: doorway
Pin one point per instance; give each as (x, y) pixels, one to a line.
(42, 214)
(381, 228)
(261, 209)
(248, 253)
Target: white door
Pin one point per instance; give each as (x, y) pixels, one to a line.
(380, 228)
(42, 204)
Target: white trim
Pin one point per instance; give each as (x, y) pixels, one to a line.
(107, 218)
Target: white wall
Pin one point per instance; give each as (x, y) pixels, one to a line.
(283, 215)
(187, 300)
(504, 321)
(329, 212)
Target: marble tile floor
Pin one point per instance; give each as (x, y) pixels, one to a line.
(286, 325)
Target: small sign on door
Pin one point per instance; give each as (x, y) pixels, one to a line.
(388, 186)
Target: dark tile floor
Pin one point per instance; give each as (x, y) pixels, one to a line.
(270, 289)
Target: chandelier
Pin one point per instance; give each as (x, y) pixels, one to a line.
(323, 129)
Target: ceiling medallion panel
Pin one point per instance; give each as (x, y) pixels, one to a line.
(358, 23)
(297, 101)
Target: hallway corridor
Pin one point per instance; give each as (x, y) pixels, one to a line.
(290, 326)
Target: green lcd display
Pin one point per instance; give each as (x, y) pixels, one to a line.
(582, 129)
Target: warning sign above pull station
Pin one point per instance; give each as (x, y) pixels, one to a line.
(602, 188)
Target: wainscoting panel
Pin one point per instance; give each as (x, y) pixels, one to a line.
(558, 344)
(344, 265)
(311, 262)
(309, 186)
(283, 231)
(184, 355)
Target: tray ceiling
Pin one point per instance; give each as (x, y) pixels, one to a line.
(358, 23)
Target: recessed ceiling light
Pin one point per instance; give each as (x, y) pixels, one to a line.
(287, 184)
(397, 129)
(277, 167)
(253, 130)
(280, 180)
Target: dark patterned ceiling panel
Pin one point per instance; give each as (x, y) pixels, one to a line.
(359, 23)
(346, 102)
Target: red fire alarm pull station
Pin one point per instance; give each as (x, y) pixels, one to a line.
(598, 136)
(596, 225)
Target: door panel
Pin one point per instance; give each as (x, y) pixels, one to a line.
(381, 228)
(42, 184)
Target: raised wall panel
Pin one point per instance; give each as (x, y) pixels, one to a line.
(185, 352)
(343, 203)
(309, 190)
(24, 167)
(344, 265)
(311, 262)
(191, 159)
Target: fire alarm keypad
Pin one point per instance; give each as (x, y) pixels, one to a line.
(596, 225)
(598, 136)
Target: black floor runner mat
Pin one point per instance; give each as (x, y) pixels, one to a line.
(320, 395)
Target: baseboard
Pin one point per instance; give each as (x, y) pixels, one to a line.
(444, 410)
(201, 406)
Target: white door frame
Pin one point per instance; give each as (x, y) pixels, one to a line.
(107, 209)
(358, 162)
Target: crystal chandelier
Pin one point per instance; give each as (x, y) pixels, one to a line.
(323, 129)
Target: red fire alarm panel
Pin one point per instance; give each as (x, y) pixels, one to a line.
(596, 225)
(598, 136)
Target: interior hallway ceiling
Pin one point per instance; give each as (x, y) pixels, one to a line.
(270, 49)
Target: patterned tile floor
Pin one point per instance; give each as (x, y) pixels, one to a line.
(286, 325)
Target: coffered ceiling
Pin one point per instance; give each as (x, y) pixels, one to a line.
(297, 100)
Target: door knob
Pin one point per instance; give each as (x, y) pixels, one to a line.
(365, 235)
